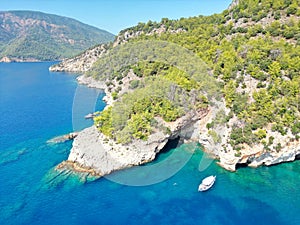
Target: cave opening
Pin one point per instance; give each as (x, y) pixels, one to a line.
(241, 165)
(171, 144)
(297, 157)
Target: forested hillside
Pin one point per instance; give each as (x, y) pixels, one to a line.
(252, 49)
(28, 35)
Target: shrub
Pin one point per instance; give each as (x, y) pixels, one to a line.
(260, 133)
(134, 84)
(277, 15)
(291, 10)
(278, 147)
(271, 140)
(216, 138)
(289, 33)
(237, 154)
(279, 128)
(210, 125)
(296, 128)
(114, 95)
(260, 85)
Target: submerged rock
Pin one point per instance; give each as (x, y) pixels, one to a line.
(63, 138)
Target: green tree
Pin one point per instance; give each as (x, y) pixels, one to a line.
(274, 69)
(230, 92)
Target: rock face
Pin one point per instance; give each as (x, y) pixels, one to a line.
(82, 62)
(287, 154)
(259, 157)
(126, 35)
(15, 59)
(95, 154)
(233, 4)
(91, 153)
(90, 82)
(5, 59)
(63, 138)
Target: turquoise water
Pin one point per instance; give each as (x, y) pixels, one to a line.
(37, 105)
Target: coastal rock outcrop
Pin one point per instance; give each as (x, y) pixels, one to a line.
(233, 4)
(5, 59)
(90, 82)
(95, 154)
(273, 158)
(63, 138)
(258, 156)
(92, 152)
(81, 63)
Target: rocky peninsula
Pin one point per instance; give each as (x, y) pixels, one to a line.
(95, 154)
(82, 62)
(256, 121)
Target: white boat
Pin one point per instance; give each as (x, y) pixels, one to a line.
(207, 183)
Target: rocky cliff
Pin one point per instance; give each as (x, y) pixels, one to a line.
(257, 156)
(94, 154)
(81, 63)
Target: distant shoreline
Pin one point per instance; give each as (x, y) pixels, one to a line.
(6, 59)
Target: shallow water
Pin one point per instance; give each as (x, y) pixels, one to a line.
(37, 105)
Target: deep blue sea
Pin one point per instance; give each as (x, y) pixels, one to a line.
(37, 105)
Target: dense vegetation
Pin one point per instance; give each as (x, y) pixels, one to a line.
(167, 96)
(253, 49)
(35, 35)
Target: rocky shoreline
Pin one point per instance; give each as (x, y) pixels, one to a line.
(92, 153)
(258, 156)
(96, 155)
(6, 59)
(63, 138)
(90, 82)
(81, 63)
